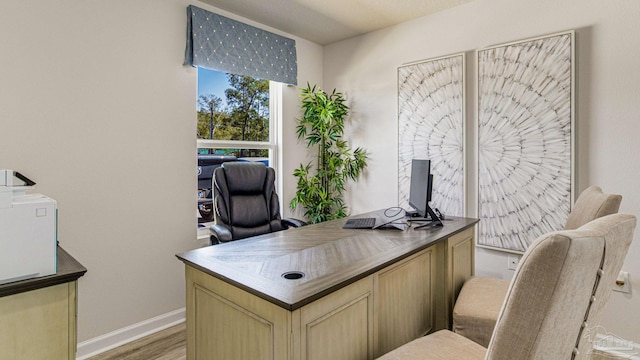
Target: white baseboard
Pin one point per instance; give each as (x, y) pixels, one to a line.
(610, 347)
(100, 344)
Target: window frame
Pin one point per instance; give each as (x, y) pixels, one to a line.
(275, 155)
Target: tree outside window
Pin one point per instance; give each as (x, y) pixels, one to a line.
(243, 115)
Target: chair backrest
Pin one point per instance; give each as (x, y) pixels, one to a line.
(617, 242)
(552, 292)
(245, 199)
(592, 204)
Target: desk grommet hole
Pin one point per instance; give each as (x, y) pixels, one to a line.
(293, 275)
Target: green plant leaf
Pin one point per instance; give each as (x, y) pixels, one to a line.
(322, 128)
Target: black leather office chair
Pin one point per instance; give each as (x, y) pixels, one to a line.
(207, 163)
(246, 202)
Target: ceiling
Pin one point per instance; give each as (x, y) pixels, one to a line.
(327, 21)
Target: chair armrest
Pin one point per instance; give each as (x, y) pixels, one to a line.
(219, 234)
(291, 222)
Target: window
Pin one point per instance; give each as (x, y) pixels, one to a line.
(237, 118)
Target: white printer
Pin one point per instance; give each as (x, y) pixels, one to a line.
(28, 230)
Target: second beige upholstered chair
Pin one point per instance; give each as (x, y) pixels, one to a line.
(563, 282)
(480, 299)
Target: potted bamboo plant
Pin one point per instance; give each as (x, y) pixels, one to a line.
(320, 189)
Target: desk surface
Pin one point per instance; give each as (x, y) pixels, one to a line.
(329, 257)
(69, 269)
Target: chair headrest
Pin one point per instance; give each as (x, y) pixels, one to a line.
(245, 177)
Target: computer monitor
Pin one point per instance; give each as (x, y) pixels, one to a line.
(420, 190)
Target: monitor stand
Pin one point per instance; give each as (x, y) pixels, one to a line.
(434, 219)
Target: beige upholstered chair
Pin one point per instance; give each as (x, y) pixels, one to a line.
(563, 281)
(480, 299)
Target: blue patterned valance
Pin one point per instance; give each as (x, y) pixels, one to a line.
(220, 43)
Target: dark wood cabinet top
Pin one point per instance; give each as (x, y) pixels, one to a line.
(69, 269)
(329, 257)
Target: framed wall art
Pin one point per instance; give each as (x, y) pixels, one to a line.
(526, 103)
(431, 113)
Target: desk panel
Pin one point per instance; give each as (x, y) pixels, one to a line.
(405, 300)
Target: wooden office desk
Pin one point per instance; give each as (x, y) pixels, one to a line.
(363, 293)
(38, 316)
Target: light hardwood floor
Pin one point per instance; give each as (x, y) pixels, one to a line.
(169, 344)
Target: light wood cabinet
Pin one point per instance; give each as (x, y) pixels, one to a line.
(39, 323)
(38, 317)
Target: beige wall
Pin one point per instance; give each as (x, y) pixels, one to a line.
(608, 89)
(97, 108)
